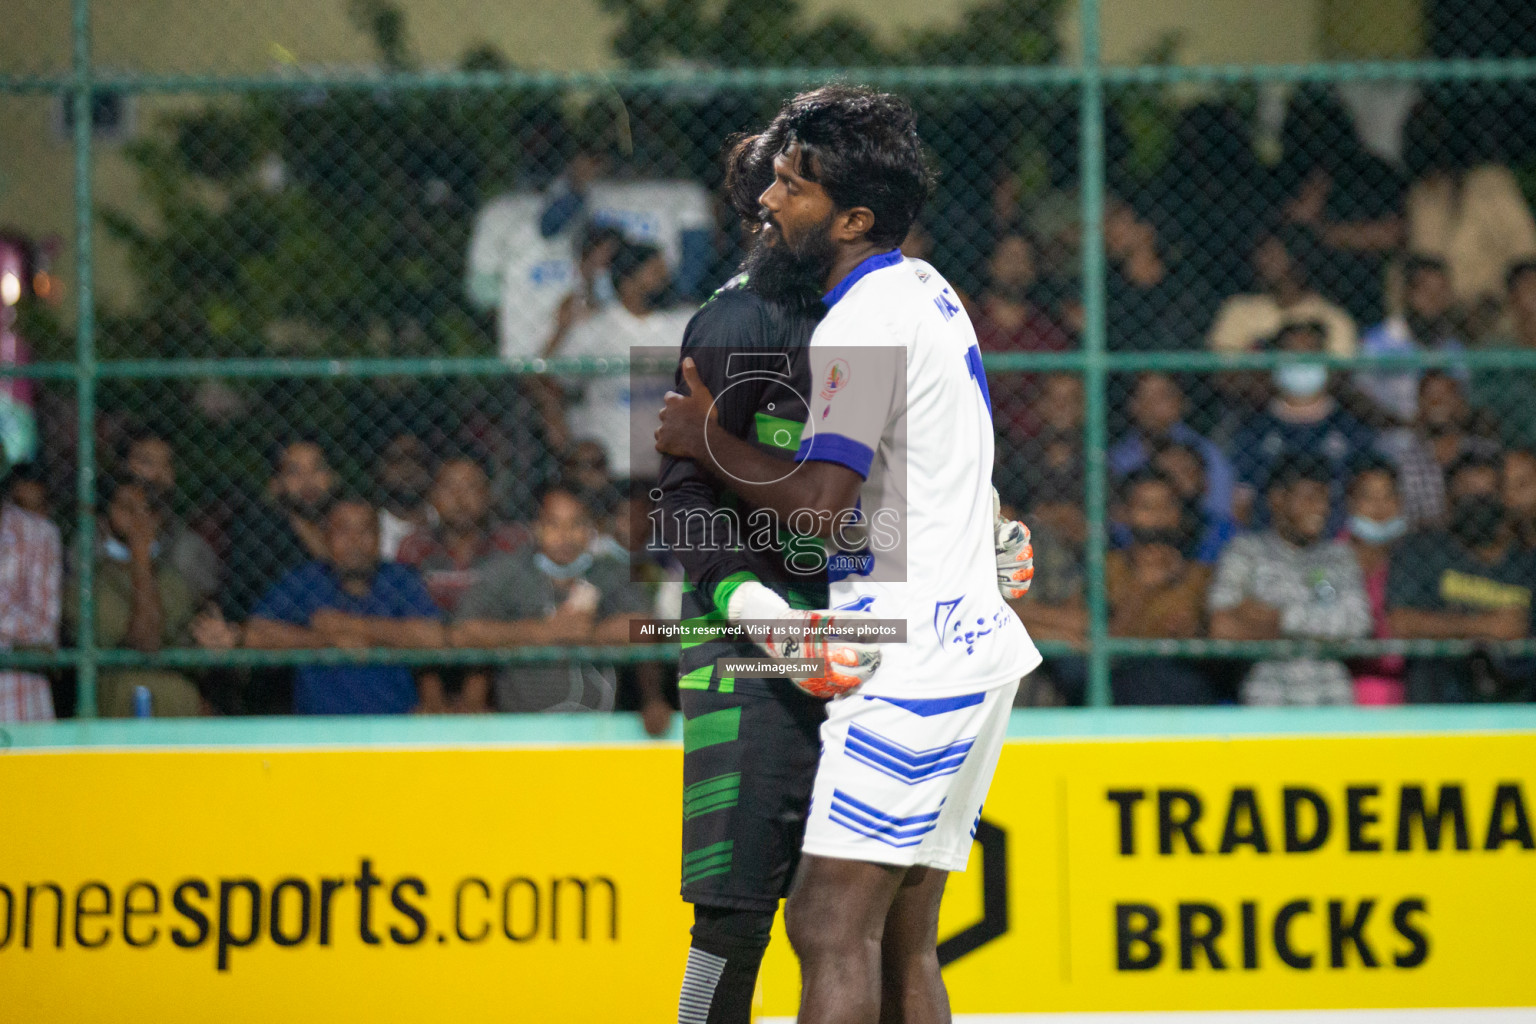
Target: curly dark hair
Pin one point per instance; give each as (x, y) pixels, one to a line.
(748, 173)
(862, 147)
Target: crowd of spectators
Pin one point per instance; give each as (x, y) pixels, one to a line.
(307, 568)
(1307, 503)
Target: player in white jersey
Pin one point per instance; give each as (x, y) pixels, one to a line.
(895, 466)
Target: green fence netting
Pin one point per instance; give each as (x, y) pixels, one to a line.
(1261, 336)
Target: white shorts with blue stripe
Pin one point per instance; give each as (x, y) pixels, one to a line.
(902, 780)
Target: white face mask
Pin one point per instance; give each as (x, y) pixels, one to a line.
(116, 551)
(1301, 380)
(549, 567)
(1376, 531)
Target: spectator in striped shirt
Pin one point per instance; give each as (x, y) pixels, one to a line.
(31, 571)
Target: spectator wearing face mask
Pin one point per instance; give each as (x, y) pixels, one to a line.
(1376, 524)
(1302, 417)
(1292, 582)
(1468, 582)
(1442, 434)
(555, 592)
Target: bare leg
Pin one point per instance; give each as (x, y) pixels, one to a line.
(836, 917)
(912, 989)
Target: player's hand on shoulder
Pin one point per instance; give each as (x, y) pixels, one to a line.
(684, 418)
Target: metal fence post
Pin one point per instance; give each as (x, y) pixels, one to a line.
(1091, 186)
(85, 361)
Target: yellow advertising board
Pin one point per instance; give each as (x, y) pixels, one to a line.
(539, 884)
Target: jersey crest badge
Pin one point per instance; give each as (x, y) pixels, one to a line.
(837, 379)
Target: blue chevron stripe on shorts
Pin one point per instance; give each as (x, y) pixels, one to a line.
(858, 816)
(899, 762)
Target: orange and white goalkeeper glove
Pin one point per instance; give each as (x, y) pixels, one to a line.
(792, 633)
(1015, 554)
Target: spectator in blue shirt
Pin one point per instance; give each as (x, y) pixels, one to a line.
(1302, 418)
(351, 601)
(1157, 416)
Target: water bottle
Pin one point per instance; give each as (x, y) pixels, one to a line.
(141, 702)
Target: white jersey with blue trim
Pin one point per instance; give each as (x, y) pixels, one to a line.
(899, 396)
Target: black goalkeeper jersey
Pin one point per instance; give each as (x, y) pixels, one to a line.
(751, 354)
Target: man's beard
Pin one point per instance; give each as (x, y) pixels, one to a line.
(794, 274)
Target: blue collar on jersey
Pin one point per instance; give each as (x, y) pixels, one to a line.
(879, 261)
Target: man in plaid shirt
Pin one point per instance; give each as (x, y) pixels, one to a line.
(31, 567)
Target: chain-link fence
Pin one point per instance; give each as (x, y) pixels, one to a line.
(1261, 339)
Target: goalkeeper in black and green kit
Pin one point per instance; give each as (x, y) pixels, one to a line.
(750, 745)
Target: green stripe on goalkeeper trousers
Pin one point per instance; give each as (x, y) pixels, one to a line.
(716, 794)
(707, 730)
(708, 861)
